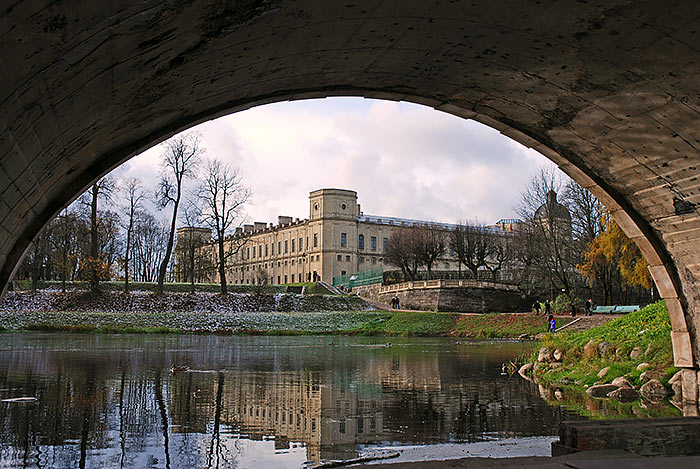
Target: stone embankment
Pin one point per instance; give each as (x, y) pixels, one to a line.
(628, 361)
(620, 388)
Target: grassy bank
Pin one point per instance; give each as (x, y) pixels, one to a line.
(648, 330)
(503, 325)
(222, 321)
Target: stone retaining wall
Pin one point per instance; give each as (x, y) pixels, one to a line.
(469, 296)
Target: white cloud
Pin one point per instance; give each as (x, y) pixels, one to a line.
(403, 160)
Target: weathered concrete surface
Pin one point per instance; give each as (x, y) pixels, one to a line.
(607, 89)
(582, 460)
(645, 437)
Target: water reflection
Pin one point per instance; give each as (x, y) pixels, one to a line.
(252, 401)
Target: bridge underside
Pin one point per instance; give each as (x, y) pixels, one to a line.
(608, 90)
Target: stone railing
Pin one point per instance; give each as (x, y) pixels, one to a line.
(464, 283)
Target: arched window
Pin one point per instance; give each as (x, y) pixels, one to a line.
(361, 242)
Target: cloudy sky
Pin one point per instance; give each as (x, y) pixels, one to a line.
(404, 160)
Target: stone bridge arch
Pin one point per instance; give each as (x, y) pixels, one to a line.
(608, 90)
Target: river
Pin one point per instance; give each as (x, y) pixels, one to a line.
(261, 402)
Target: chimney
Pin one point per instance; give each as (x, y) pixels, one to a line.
(247, 229)
(284, 220)
(259, 226)
(239, 231)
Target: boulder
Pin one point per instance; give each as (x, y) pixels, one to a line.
(603, 372)
(624, 394)
(601, 391)
(677, 389)
(545, 356)
(558, 395)
(675, 378)
(642, 366)
(523, 337)
(649, 374)
(558, 355)
(622, 382)
(525, 369)
(590, 350)
(653, 390)
(636, 353)
(603, 348)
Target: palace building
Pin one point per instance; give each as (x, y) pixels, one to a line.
(337, 239)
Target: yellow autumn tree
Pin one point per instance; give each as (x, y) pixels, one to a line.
(611, 253)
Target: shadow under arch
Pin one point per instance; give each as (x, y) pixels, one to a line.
(582, 84)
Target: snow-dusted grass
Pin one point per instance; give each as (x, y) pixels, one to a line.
(180, 322)
(178, 302)
(181, 313)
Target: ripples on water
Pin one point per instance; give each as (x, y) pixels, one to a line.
(112, 401)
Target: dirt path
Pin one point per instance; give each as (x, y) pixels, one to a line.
(588, 322)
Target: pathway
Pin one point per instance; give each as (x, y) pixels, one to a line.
(604, 459)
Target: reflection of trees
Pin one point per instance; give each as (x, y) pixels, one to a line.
(119, 398)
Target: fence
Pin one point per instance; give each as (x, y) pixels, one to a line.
(358, 279)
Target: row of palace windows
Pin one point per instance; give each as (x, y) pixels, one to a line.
(270, 248)
(279, 263)
(362, 259)
(361, 242)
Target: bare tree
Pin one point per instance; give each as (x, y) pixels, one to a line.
(133, 194)
(64, 241)
(402, 251)
(180, 158)
(191, 242)
(223, 197)
(101, 189)
(550, 222)
(431, 244)
(502, 252)
(472, 245)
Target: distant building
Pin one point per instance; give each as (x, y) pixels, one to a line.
(553, 215)
(336, 239)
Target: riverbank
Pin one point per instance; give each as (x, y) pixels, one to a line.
(628, 360)
(281, 314)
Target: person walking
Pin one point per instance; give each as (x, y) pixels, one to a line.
(536, 307)
(589, 307)
(552, 324)
(573, 310)
(547, 308)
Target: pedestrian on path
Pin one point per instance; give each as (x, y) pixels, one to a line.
(536, 307)
(589, 307)
(552, 323)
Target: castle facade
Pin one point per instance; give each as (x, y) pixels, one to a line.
(336, 239)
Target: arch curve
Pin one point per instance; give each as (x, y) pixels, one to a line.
(606, 90)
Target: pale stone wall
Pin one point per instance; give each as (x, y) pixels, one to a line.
(335, 240)
(466, 296)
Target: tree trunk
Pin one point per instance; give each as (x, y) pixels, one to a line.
(35, 267)
(94, 279)
(222, 266)
(191, 255)
(126, 254)
(169, 247)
